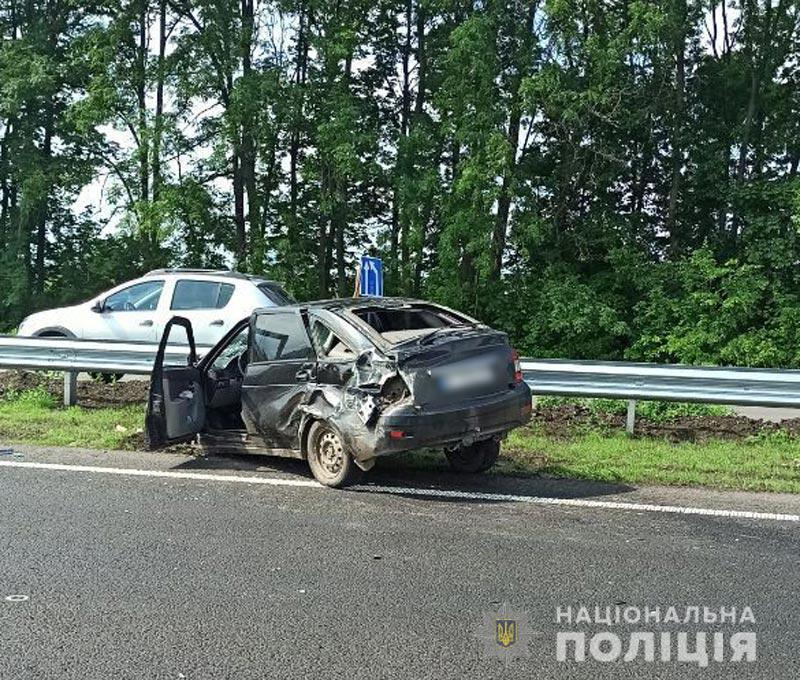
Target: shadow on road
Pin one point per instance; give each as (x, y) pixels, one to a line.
(392, 473)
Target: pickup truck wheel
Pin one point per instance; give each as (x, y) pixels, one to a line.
(477, 457)
(330, 463)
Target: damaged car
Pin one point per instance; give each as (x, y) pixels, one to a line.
(340, 383)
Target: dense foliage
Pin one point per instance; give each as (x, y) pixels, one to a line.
(601, 178)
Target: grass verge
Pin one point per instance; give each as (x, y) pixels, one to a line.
(770, 462)
(33, 417)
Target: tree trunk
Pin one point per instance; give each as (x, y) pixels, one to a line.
(341, 212)
(755, 85)
(422, 60)
(341, 283)
(4, 187)
(238, 210)
(750, 19)
(322, 258)
(505, 197)
(325, 226)
(399, 225)
(9, 198)
(294, 144)
(42, 210)
(248, 150)
(419, 260)
(671, 223)
(141, 87)
(158, 125)
(394, 253)
(520, 61)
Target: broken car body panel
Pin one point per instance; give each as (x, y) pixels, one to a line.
(372, 369)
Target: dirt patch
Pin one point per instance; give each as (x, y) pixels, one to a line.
(91, 393)
(569, 420)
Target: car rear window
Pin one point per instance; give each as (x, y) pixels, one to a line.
(201, 295)
(280, 337)
(275, 294)
(402, 323)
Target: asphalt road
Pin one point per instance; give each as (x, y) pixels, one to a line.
(774, 415)
(206, 577)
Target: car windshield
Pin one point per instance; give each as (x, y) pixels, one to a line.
(401, 324)
(275, 294)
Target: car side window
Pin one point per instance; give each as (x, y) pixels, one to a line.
(236, 346)
(279, 337)
(328, 344)
(190, 294)
(140, 297)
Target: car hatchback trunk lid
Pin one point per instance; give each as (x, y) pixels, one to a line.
(453, 364)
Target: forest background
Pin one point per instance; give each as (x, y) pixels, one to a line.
(600, 178)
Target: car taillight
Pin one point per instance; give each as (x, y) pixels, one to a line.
(517, 366)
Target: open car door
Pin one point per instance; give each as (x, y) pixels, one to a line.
(176, 409)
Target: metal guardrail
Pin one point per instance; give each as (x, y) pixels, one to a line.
(67, 354)
(667, 382)
(617, 380)
(74, 356)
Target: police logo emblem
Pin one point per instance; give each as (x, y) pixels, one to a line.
(504, 633)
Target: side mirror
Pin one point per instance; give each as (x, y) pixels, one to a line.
(364, 358)
(98, 307)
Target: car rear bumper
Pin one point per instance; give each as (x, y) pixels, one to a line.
(446, 425)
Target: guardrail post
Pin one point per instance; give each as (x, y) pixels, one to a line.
(70, 388)
(630, 418)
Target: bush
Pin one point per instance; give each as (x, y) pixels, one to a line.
(37, 398)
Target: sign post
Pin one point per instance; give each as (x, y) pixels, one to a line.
(370, 277)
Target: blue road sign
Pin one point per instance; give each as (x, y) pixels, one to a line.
(370, 280)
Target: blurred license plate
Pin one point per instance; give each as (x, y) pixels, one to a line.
(465, 375)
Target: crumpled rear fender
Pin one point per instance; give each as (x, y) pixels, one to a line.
(354, 408)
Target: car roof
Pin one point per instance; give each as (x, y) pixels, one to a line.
(226, 273)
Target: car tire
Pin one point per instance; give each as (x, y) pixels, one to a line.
(491, 452)
(330, 462)
(107, 378)
(477, 457)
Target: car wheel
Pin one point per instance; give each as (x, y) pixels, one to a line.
(107, 378)
(491, 452)
(477, 457)
(330, 463)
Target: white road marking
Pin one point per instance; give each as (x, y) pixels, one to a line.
(576, 502)
(16, 598)
(171, 474)
(408, 491)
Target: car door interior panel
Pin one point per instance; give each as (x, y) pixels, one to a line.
(184, 406)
